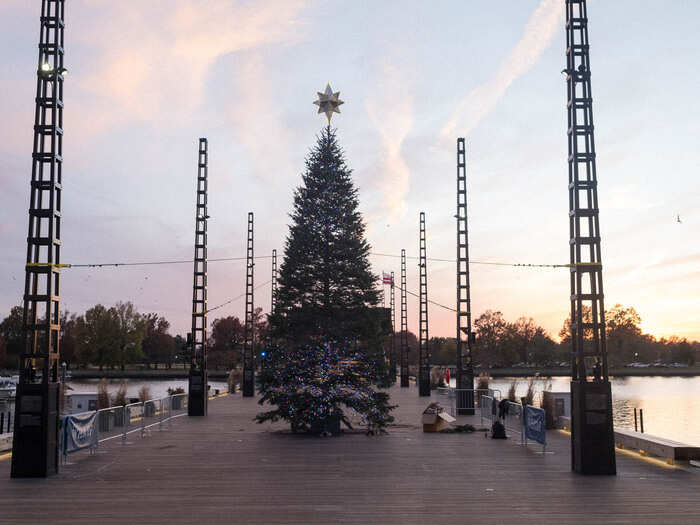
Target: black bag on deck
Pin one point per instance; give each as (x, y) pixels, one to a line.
(498, 431)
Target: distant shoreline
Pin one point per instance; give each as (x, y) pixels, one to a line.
(180, 373)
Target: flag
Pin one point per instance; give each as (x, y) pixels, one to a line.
(386, 278)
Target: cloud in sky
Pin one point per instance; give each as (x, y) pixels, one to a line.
(539, 32)
(151, 62)
(255, 111)
(390, 109)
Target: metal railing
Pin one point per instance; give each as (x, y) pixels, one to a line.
(513, 417)
(120, 421)
(467, 397)
(487, 408)
(6, 421)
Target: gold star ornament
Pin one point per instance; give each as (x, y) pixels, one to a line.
(328, 102)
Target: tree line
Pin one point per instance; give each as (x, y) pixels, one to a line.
(500, 343)
(118, 336)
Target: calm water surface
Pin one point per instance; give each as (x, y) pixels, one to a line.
(671, 404)
(159, 387)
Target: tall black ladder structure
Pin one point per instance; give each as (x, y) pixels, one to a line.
(465, 366)
(592, 438)
(403, 358)
(197, 338)
(423, 345)
(273, 281)
(392, 338)
(249, 332)
(35, 441)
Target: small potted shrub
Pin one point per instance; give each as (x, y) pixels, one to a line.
(105, 418)
(511, 391)
(482, 387)
(529, 398)
(176, 402)
(149, 409)
(234, 378)
(119, 400)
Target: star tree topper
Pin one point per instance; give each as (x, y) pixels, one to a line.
(328, 102)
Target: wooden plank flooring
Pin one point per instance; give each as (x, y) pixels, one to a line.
(226, 469)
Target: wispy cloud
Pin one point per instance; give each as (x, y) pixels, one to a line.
(390, 109)
(151, 60)
(683, 259)
(476, 104)
(255, 113)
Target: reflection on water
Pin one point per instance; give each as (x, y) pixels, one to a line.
(671, 405)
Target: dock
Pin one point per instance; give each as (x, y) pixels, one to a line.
(225, 468)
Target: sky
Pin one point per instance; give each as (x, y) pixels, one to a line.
(147, 79)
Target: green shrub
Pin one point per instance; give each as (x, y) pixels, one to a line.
(119, 399)
(144, 394)
(511, 391)
(102, 394)
(530, 394)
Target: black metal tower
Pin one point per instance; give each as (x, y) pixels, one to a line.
(465, 366)
(392, 338)
(249, 336)
(404, 325)
(273, 298)
(423, 349)
(592, 438)
(35, 441)
(197, 338)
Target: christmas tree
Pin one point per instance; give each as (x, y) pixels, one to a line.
(329, 356)
(313, 385)
(326, 286)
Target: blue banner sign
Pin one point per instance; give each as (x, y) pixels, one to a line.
(535, 424)
(79, 432)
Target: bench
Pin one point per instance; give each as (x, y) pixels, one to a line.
(646, 444)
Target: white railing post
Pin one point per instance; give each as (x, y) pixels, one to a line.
(143, 419)
(125, 424)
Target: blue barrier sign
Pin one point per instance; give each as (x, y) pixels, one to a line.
(535, 424)
(79, 432)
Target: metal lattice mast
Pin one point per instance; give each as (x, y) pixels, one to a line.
(423, 350)
(273, 298)
(197, 405)
(392, 339)
(35, 445)
(592, 435)
(465, 367)
(404, 325)
(249, 335)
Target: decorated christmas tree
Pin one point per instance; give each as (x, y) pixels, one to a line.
(327, 323)
(313, 385)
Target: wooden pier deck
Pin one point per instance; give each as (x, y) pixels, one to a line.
(226, 469)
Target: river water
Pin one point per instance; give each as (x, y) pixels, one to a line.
(671, 405)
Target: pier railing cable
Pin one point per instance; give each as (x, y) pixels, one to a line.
(233, 259)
